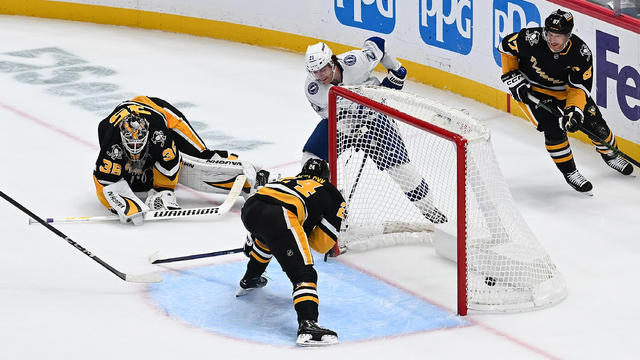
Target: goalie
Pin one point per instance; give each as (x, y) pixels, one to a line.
(375, 135)
(147, 145)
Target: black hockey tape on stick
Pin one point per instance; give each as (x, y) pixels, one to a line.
(559, 114)
(154, 260)
(144, 278)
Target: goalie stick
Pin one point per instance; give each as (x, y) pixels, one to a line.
(558, 113)
(154, 258)
(143, 278)
(167, 214)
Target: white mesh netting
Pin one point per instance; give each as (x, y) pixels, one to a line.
(395, 175)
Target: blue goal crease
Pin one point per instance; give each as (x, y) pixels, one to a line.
(356, 305)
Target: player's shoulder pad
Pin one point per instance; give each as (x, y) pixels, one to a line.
(581, 49)
(509, 44)
(353, 57)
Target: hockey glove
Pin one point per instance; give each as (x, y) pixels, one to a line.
(518, 85)
(125, 203)
(248, 246)
(162, 200)
(395, 78)
(572, 119)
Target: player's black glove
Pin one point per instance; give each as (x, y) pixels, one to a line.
(395, 78)
(518, 85)
(248, 245)
(572, 119)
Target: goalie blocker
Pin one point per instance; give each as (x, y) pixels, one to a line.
(216, 175)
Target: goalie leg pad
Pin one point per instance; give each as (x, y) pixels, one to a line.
(215, 175)
(125, 203)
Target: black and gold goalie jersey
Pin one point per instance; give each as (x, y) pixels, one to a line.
(157, 166)
(564, 75)
(317, 204)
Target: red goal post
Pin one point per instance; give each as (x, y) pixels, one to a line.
(378, 135)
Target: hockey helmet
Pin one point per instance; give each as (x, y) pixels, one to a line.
(134, 132)
(559, 22)
(317, 56)
(316, 167)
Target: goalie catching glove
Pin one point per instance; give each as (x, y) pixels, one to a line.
(162, 200)
(125, 203)
(518, 85)
(572, 119)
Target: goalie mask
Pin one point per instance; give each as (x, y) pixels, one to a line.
(134, 132)
(316, 167)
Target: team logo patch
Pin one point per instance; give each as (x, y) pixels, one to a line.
(350, 60)
(115, 153)
(313, 88)
(532, 37)
(584, 51)
(158, 138)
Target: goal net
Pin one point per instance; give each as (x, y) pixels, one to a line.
(414, 171)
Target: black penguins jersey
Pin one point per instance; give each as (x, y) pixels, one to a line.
(159, 162)
(317, 204)
(565, 75)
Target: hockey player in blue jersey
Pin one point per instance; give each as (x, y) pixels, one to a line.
(355, 67)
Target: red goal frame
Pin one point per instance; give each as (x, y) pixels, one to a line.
(461, 159)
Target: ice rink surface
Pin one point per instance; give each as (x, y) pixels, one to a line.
(58, 79)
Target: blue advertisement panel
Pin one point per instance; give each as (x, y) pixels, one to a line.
(510, 16)
(447, 24)
(374, 15)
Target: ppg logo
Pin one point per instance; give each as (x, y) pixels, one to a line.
(374, 15)
(447, 24)
(510, 16)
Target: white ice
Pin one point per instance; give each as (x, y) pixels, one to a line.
(56, 303)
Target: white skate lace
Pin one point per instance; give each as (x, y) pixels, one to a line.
(575, 177)
(617, 163)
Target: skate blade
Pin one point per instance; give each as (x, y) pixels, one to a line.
(242, 292)
(306, 340)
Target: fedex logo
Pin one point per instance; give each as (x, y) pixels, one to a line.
(374, 15)
(627, 78)
(447, 24)
(510, 16)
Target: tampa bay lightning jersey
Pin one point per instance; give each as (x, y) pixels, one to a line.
(356, 66)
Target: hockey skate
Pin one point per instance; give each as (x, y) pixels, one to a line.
(247, 285)
(619, 164)
(312, 334)
(434, 215)
(578, 182)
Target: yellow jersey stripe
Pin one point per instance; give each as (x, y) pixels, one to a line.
(300, 236)
(286, 198)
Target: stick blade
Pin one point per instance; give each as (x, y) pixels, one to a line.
(144, 278)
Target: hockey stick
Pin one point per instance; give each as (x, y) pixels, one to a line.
(168, 214)
(355, 185)
(143, 278)
(154, 258)
(559, 114)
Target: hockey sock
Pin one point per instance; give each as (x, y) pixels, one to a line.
(561, 154)
(305, 301)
